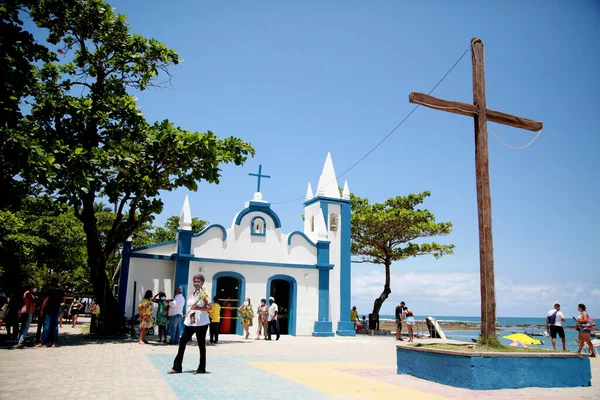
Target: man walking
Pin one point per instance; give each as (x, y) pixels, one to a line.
(399, 318)
(50, 310)
(175, 316)
(272, 319)
(554, 320)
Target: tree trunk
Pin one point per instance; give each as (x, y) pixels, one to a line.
(111, 316)
(386, 290)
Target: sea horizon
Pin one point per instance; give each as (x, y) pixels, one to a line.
(503, 321)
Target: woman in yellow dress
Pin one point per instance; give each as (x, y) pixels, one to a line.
(145, 311)
(247, 314)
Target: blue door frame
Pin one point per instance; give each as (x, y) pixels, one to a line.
(242, 285)
(292, 302)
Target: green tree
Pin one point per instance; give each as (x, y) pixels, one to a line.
(19, 149)
(169, 230)
(41, 239)
(95, 142)
(386, 232)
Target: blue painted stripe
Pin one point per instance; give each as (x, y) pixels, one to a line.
(151, 246)
(292, 300)
(300, 234)
(324, 295)
(323, 198)
(124, 276)
(153, 256)
(211, 227)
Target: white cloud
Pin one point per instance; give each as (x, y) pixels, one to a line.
(458, 293)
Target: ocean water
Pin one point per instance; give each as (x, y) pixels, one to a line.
(506, 326)
(503, 321)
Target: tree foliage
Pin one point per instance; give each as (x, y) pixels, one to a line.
(42, 239)
(391, 231)
(90, 139)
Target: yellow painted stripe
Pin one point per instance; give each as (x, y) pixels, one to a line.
(326, 377)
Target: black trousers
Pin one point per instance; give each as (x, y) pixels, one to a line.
(188, 332)
(214, 331)
(272, 328)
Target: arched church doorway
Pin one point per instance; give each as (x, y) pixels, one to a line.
(283, 288)
(229, 287)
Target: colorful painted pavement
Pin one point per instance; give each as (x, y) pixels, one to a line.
(282, 377)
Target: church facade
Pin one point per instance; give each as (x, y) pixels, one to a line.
(307, 272)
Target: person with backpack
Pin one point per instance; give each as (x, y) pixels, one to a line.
(554, 320)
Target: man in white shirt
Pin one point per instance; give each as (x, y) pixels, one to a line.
(554, 320)
(174, 329)
(272, 319)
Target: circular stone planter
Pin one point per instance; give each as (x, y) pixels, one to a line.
(487, 371)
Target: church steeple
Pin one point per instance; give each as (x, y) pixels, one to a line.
(328, 185)
(346, 191)
(185, 219)
(309, 192)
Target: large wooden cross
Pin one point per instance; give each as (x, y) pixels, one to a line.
(481, 114)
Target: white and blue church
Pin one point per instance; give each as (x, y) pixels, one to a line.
(307, 272)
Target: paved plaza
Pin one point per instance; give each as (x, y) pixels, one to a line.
(362, 367)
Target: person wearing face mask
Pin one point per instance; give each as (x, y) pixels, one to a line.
(26, 313)
(246, 313)
(161, 315)
(196, 321)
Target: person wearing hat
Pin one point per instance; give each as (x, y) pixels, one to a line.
(272, 319)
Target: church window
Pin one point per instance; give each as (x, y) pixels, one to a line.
(333, 222)
(312, 223)
(258, 227)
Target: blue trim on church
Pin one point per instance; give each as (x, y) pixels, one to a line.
(258, 206)
(253, 231)
(345, 326)
(239, 330)
(182, 263)
(124, 276)
(323, 326)
(151, 246)
(293, 300)
(209, 228)
(327, 199)
(300, 234)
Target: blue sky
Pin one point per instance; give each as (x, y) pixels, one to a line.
(299, 79)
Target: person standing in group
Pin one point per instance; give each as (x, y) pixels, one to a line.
(50, 310)
(196, 322)
(246, 312)
(175, 314)
(410, 322)
(399, 319)
(263, 318)
(26, 313)
(161, 315)
(74, 310)
(215, 320)
(554, 320)
(584, 326)
(145, 312)
(272, 318)
(354, 316)
(3, 306)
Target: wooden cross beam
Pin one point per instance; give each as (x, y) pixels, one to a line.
(481, 114)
